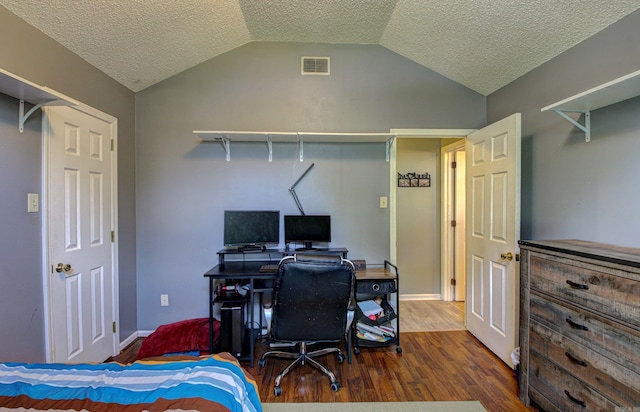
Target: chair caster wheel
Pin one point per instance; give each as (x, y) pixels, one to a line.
(335, 386)
(356, 351)
(261, 363)
(341, 357)
(277, 390)
(399, 349)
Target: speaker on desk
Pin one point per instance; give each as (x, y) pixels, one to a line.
(232, 328)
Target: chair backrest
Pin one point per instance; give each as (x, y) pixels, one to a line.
(311, 298)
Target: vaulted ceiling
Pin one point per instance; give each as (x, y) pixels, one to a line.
(482, 44)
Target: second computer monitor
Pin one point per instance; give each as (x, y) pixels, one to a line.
(307, 229)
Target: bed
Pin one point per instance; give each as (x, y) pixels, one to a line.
(210, 383)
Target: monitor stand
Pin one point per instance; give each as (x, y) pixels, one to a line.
(251, 248)
(307, 246)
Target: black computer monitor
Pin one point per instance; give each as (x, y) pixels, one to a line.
(251, 229)
(307, 229)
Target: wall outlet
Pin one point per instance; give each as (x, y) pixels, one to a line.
(164, 300)
(383, 202)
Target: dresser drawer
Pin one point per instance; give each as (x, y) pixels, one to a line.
(615, 381)
(562, 389)
(585, 285)
(613, 341)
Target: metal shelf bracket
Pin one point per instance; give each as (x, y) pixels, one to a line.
(226, 145)
(300, 148)
(388, 145)
(270, 147)
(22, 118)
(586, 128)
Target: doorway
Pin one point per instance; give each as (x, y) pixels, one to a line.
(438, 138)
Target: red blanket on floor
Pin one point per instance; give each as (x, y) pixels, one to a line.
(179, 337)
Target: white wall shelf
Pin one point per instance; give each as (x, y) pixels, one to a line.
(618, 90)
(26, 91)
(226, 137)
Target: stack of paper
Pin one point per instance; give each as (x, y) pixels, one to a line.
(375, 333)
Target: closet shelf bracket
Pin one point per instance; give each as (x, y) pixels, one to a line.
(22, 116)
(586, 128)
(270, 147)
(226, 145)
(388, 145)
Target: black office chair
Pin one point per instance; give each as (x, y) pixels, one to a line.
(312, 298)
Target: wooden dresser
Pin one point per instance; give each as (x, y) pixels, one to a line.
(579, 326)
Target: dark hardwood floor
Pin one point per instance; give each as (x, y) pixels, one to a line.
(433, 366)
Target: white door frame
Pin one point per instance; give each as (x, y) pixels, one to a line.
(44, 210)
(412, 134)
(447, 251)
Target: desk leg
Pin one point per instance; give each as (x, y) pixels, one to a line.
(210, 315)
(252, 341)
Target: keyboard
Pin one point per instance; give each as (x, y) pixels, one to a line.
(268, 268)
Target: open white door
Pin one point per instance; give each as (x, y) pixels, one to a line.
(492, 233)
(80, 186)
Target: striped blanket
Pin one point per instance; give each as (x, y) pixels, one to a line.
(213, 383)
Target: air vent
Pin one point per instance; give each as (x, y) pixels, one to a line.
(315, 65)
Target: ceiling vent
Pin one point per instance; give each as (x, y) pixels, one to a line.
(315, 65)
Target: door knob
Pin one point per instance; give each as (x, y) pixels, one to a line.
(63, 267)
(506, 256)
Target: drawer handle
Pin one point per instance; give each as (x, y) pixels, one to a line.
(576, 325)
(575, 400)
(576, 360)
(577, 285)
(375, 287)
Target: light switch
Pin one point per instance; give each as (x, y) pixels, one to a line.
(383, 202)
(33, 205)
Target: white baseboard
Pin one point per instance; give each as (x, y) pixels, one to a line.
(135, 335)
(129, 340)
(435, 296)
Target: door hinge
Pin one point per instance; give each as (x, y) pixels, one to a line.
(454, 165)
(517, 257)
(112, 144)
(114, 327)
(453, 223)
(113, 236)
(453, 282)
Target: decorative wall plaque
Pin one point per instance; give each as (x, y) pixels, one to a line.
(413, 179)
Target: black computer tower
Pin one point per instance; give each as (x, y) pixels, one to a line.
(232, 328)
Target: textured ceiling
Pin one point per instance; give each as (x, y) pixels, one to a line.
(482, 44)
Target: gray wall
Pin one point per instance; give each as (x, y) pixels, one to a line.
(573, 189)
(419, 217)
(183, 186)
(21, 303)
(30, 54)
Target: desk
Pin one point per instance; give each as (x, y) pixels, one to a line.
(249, 271)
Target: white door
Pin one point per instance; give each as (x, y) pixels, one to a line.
(493, 229)
(80, 206)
